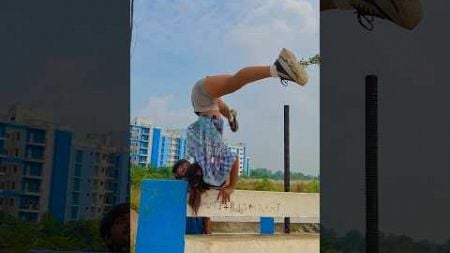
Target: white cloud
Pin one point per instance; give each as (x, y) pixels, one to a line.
(224, 36)
(160, 111)
(252, 30)
(272, 25)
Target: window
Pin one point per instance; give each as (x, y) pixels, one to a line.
(77, 171)
(75, 198)
(76, 184)
(13, 186)
(79, 156)
(74, 212)
(15, 168)
(11, 202)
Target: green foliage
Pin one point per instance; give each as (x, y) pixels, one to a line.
(308, 186)
(312, 186)
(19, 236)
(260, 173)
(278, 175)
(314, 60)
(264, 185)
(138, 173)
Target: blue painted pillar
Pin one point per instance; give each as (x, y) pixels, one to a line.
(162, 216)
(266, 226)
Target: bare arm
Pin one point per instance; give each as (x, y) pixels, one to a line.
(228, 189)
(234, 174)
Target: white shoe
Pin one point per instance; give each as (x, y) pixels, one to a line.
(405, 13)
(289, 69)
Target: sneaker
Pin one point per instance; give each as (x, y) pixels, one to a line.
(234, 125)
(405, 13)
(289, 69)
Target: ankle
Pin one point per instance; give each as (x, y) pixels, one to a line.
(273, 70)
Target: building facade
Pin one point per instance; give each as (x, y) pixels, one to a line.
(141, 139)
(26, 152)
(168, 146)
(97, 179)
(44, 171)
(155, 146)
(241, 150)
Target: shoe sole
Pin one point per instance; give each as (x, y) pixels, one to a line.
(407, 15)
(290, 64)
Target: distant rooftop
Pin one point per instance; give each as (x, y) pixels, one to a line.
(141, 121)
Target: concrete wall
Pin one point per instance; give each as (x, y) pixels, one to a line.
(260, 203)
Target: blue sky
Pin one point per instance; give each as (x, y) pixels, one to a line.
(177, 42)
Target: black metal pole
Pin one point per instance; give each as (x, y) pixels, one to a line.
(372, 240)
(287, 172)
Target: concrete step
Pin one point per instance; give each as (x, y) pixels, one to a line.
(278, 243)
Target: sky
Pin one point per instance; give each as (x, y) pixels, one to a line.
(175, 43)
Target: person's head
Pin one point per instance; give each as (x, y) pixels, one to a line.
(192, 173)
(115, 228)
(180, 168)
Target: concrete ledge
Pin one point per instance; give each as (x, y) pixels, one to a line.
(246, 219)
(304, 243)
(260, 203)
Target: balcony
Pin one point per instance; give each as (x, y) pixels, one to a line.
(31, 187)
(30, 176)
(35, 158)
(30, 193)
(36, 142)
(29, 207)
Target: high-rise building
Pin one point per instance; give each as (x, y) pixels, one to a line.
(27, 142)
(141, 138)
(168, 146)
(156, 146)
(241, 150)
(247, 166)
(45, 171)
(98, 180)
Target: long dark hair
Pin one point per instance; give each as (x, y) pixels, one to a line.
(197, 186)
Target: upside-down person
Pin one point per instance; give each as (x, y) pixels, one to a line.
(211, 164)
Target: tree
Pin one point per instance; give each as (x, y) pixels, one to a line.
(260, 173)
